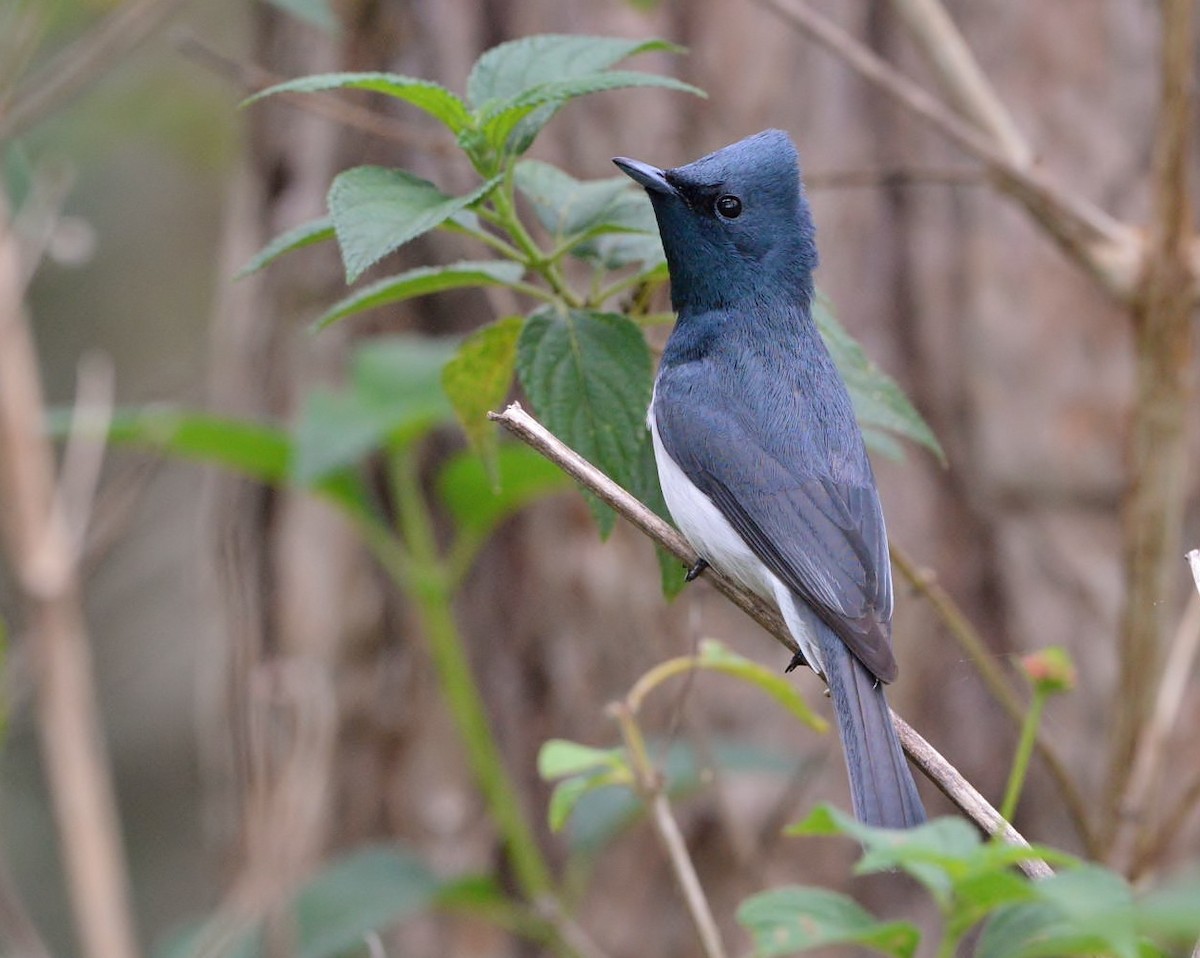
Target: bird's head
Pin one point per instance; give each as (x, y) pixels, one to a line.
(734, 224)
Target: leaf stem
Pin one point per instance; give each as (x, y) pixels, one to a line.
(417, 567)
(1016, 778)
(533, 256)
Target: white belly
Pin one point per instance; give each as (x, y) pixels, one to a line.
(718, 543)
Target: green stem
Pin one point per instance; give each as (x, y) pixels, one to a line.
(535, 258)
(1016, 778)
(420, 570)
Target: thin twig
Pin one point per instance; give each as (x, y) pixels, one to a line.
(960, 76)
(650, 787)
(42, 555)
(1106, 248)
(971, 642)
(76, 67)
(534, 434)
(1146, 778)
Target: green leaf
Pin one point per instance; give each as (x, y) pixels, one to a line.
(513, 125)
(370, 890)
(559, 757)
(630, 235)
(606, 221)
(718, 658)
(786, 920)
(1172, 912)
(422, 281)
(588, 376)
(878, 402)
(394, 397)
(376, 210)
(316, 12)
(478, 379)
(510, 69)
(475, 502)
(431, 97)
(255, 450)
(306, 234)
(568, 793)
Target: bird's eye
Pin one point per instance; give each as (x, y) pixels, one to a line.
(729, 206)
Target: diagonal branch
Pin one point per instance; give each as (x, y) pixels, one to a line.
(961, 77)
(952, 784)
(1106, 248)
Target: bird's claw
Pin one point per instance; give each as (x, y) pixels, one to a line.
(694, 572)
(798, 660)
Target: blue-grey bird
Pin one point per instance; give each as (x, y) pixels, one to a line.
(760, 457)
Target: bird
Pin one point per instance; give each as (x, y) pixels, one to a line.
(760, 458)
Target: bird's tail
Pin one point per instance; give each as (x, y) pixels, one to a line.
(881, 785)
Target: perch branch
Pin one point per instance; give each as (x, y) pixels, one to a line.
(42, 555)
(1106, 248)
(527, 429)
(972, 644)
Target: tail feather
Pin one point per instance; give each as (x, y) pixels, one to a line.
(881, 786)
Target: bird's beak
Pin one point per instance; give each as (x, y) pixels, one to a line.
(651, 177)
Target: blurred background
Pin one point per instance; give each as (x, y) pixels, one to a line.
(215, 606)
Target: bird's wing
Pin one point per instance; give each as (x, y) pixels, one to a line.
(825, 540)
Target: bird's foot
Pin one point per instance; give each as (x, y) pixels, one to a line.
(798, 660)
(694, 572)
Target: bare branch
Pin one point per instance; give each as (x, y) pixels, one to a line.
(1106, 248)
(518, 422)
(41, 555)
(961, 78)
(1164, 338)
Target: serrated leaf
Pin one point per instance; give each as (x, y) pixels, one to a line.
(393, 398)
(719, 658)
(510, 69)
(879, 403)
(316, 12)
(559, 757)
(477, 380)
(588, 376)
(431, 97)
(513, 125)
(564, 205)
(477, 505)
(631, 236)
(306, 234)
(367, 891)
(422, 281)
(376, 210)
(784, 921)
